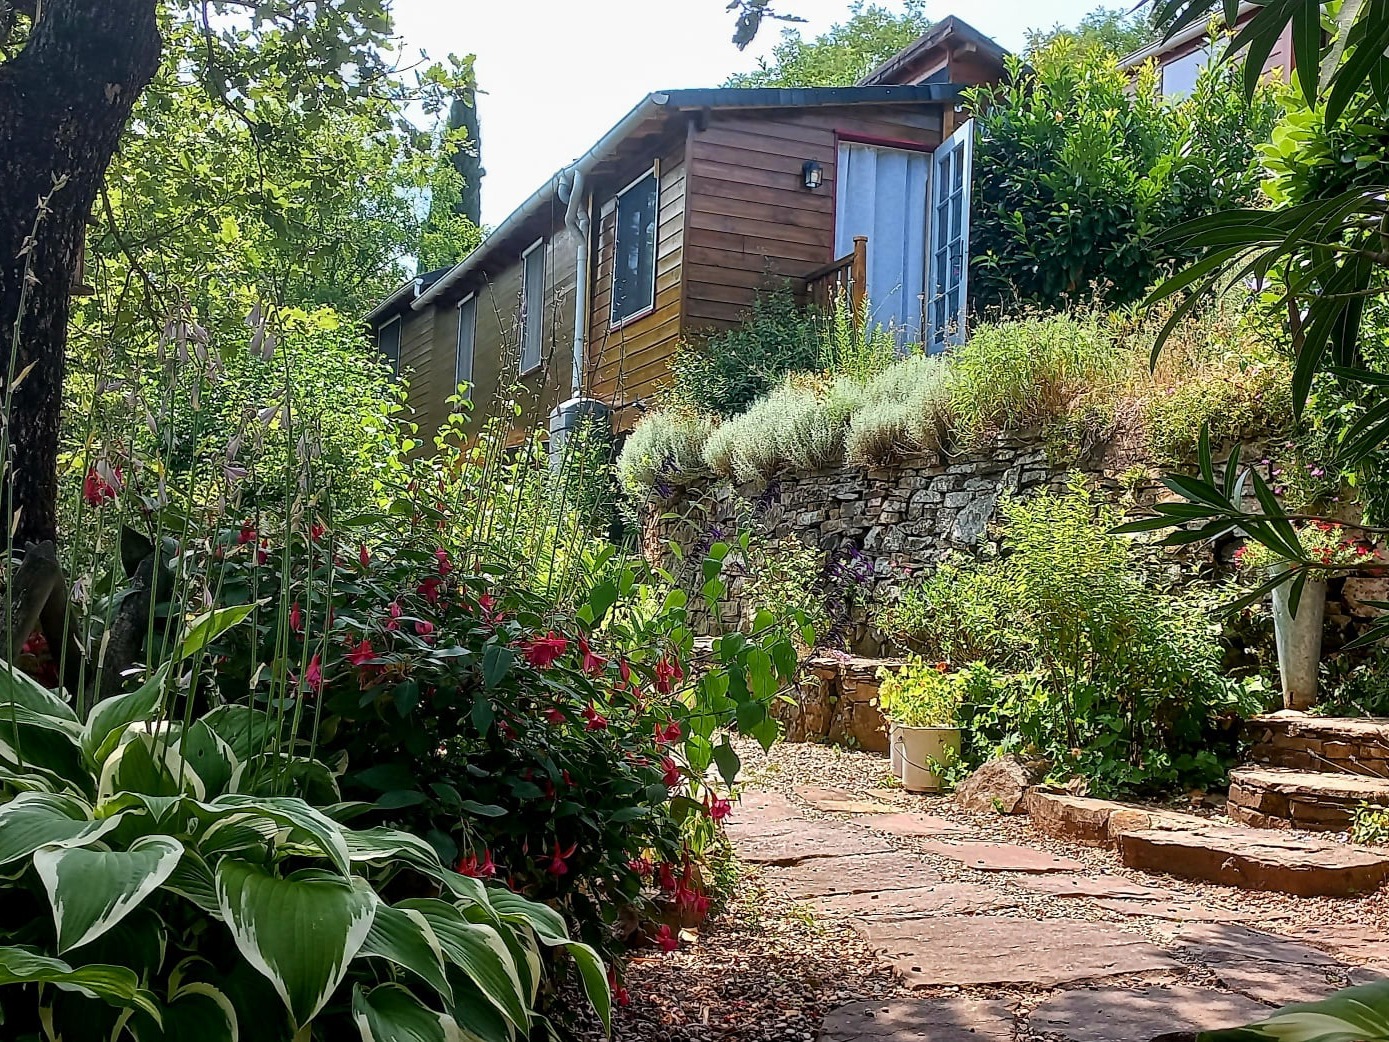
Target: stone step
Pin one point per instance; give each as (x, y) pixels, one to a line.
(1280, 797)
(1355, 745)
(1256, 859)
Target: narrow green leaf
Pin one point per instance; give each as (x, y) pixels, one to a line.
(115, 984)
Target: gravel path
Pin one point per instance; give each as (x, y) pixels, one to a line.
(768, 968)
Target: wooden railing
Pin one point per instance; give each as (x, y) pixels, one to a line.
(849, 274)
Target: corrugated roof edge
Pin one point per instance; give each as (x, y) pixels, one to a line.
(681, 100)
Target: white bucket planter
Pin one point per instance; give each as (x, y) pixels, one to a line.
(1299, 641)
(915, 749)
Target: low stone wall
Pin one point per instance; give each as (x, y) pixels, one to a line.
(878, 528)
(835, 700)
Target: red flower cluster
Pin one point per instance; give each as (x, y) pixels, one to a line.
(668, 671)
(97, 489)
(670, 772)
(478, 869)
(594, 720)
(557, 866)
(541, 652)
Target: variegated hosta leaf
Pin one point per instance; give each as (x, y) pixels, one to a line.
(194, 881)
(92, 890)
(595, 978)
(148, 764)
(115, 984)
(231, 832)
(403, 936)
(36, 819)
(111, 716)
(19, 688)
(194, 1011)
(476, 1017)
(384, 845)
(481, 953)
(1358, 1014)
(550, 928)
(389, 1013)
(249, 732)
(206, 752)
(326, 833)
(300, 932)
(52, 743)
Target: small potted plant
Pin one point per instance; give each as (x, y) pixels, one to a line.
(1299, 636)
(921, 701)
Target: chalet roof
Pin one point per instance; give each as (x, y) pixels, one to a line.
(404, 294)
(650, 119)
(1191, 32)
(950, 30)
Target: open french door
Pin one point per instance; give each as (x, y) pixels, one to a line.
(947, 277)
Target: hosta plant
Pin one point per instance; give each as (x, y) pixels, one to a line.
(169, 879)
(1358, 1014)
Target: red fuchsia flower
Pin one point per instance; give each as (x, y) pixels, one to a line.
(445, 565)
(541, 652)
(478, 869)
(665, 877)
(98, 488)
(425, 629)
(557, 866)
(554, 715)
(296, 618)
(316, 531)
(362, 653)
(620, 995)
(666, 673)
(593, 664)
(508, 732)
(641, 866)
(719, 809)
(429, 589)
(393, 623)
(246, 535)
(364, 556)
(263, 551)
(594, 720)
(313, 675)
(667, 940)
(666, 735)
(625, 669)
(670, 772)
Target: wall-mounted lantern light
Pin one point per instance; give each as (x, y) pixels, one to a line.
(812, 174)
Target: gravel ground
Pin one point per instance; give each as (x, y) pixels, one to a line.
(767, 969)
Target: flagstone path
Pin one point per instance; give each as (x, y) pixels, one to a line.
(1000, 941)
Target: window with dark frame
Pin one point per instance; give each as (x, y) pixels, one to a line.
(388, 342)
(467, 331)
(634, 253)
(532, 306)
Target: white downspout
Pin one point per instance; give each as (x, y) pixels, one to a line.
(576, 219)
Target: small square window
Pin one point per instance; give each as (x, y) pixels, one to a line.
(634, 249)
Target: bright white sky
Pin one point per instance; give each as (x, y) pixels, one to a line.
(558, 74)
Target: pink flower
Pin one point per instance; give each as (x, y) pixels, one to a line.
(445, 565)
(98, 488)
(669, 733)
(554, 715)
(641, 866)
(393, 623)
(364, 556)
(424, 629)
(429, 589)
(316, 531)
(670, 772)
(719, 809)
(542, 652)
(665, 877)
(668, 941)
(594, 720)
(557, 866)
(296, 618)
(593, 664)
(246, 535)
(361, 654)
(620, 995)
(313, 676)
(667, 672)
(471, 866)
(263, 551)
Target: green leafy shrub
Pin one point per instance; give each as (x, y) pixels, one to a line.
(192, 878)
(1371, 825)
(801, 424)
(1101, 675)
(664, 450)
(905, 412)
(853, 348)
(921, 693)
(727, 371)
(1079, 169)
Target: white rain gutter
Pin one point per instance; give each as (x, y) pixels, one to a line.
(576, 219)
(605, 147)
(1191, 32)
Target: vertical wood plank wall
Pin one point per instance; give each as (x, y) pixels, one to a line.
(631, 362)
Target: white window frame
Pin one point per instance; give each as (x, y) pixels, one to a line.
(653, 172)
(458, 376)
(393, 321)
(526, 313)
(961, 145)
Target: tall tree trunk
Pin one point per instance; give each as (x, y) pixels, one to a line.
(468, 160)
(64, 101)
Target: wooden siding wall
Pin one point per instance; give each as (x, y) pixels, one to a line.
(433, 339)
(632, 362)
(751, 220)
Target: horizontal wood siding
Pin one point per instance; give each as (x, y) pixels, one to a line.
(752, 223)
(496, 346)
(632, 362)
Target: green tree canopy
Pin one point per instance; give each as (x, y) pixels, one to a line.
(842, 55)
(1118, 30)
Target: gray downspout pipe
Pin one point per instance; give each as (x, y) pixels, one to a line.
(576, 219)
